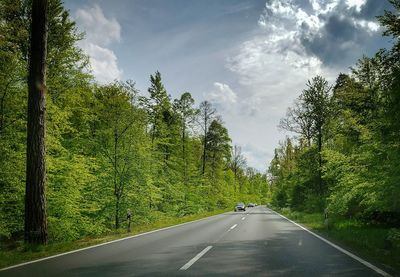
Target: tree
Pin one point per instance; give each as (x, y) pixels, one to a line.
(186, 112)
(118, 127)
(309, 116)
(35, 198)
(298, 121)
(237, 163)
(157, 105)
(316, 100)
(218, 145)
(390, 20)
(206, 115)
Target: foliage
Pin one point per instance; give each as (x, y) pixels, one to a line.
(109, 148)
(346, 156)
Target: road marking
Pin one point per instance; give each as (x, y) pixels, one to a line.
(367, 264)
(233, 227)
(198, 256)
(105, 243)
(243, 218)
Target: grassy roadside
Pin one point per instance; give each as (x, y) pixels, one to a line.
(374, 242)
(22, 253)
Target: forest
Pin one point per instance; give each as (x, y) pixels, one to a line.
(110, 148)
(344, 157)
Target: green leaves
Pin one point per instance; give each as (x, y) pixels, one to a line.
(109, 149)
(354, 136)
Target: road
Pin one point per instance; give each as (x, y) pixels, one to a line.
(257, 242)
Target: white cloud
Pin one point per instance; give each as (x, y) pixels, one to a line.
(272, 68)
(356, 4)
(371, 26)
(222, 94)
(103, 62)
(272, 79)
(99, 29)
(101, 32)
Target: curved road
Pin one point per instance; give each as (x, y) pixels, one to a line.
(257, 242)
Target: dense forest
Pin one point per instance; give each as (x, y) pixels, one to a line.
(109, 147)
(345, 155)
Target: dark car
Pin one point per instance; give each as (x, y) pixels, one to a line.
(250, 205)
(240, 207)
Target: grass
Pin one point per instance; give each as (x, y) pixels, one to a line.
(373, 242)
(22, 253)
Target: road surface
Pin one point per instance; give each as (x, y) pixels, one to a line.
(257, 242)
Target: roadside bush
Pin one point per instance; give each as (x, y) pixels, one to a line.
(394, 238)
(314, 203)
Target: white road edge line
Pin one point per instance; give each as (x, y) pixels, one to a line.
(233, 227)
(105, 243)
(367, 264)
(197, 257)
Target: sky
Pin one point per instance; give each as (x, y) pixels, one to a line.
(250, 58)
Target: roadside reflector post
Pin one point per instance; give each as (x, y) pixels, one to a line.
(128, 217)
(326, 221)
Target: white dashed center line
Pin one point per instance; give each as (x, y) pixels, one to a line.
(233, 227)
(198, 256)
(243, 218)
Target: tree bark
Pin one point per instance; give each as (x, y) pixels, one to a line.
(320, 160)
(117, 212)
(204, 147)
(116, 189)
(184, 154)
(35, 198)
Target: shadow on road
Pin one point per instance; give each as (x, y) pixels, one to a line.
(287, 253)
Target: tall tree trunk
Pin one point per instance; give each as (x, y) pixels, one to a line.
(184, 154)
(204, 157)
(116, 190)
(235, 177)
(35, 198)
(204, 147)
(117, 212)
(320, 160)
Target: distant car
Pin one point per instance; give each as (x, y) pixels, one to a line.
(240, 207)
(250, 205)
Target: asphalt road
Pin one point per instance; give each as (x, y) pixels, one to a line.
(257, 242)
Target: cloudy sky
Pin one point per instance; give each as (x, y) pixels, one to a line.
(251, 58)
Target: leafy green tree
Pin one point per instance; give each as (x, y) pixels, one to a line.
(13, 103)
(218, 146)
(184, 107)
(206, 116)
(317, 100)
(118, 126)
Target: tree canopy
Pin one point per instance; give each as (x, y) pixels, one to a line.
(345, 156)
(109, 147)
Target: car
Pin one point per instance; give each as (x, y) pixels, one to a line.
(240, 207)
(250, 205)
